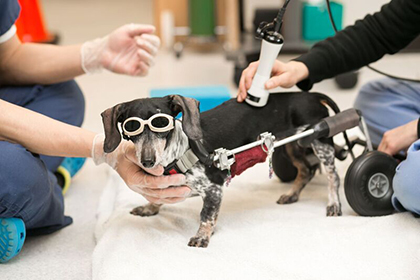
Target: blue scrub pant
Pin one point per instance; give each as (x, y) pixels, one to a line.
(387, 104)
(28, 187)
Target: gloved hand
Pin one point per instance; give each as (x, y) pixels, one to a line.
(128, 50)
(157, 189)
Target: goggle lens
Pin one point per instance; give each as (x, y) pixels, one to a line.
(132, 125)
(160, 122)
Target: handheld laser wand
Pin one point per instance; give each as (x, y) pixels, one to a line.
(272, 42)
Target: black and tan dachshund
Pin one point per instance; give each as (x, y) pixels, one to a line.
(229, 125)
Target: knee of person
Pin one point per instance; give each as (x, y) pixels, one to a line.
(75, 100)
(16, 178)
(405, 185)
(365, 93)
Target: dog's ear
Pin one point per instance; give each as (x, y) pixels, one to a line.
(112, 134)
(190, 109)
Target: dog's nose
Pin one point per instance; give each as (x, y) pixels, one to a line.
(148, 158)
(148, 163)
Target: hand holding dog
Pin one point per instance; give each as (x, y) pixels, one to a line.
(128, 50)
(155, 188)
(283, 75)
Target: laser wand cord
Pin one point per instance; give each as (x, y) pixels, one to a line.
(279, 18)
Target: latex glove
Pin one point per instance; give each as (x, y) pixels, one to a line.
(283, 75)
(155, 188)
(399, 139)
(128, 50)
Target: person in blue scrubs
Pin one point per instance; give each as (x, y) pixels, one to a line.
(41, 111)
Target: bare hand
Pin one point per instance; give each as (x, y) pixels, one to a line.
(152, 185)
(283, 75)
(399, 139)
(155, 188)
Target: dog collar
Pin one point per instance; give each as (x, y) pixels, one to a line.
(182, 165)
(196, 153)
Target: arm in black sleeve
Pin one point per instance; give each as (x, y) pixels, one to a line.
(385, 32)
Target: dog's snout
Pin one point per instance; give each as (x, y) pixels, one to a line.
(148, 163)
(148, 158)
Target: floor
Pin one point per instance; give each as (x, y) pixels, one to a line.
(67, 254)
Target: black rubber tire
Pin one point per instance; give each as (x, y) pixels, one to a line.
(282, 166)
(357, 180)
(347, 80)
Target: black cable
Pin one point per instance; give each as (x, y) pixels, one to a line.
(286, 3)
(279, 18)
(368, 66)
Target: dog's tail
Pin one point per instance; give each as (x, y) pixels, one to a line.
(326, 100)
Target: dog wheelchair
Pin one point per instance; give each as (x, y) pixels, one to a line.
(368, 181)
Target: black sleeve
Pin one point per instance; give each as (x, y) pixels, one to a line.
(9, 12)
(384, 32)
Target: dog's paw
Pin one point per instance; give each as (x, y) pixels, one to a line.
(144, 211)
(199, 241)
(334, 210)
(287, 199)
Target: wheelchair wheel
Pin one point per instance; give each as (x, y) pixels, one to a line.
(368, 184)
(347, 80)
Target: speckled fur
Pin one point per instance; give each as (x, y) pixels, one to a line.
(325, 153)
(196, 179)
(157, 144)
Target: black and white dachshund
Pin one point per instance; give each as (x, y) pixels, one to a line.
(160, 139)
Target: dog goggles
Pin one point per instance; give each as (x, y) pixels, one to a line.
(157, 123)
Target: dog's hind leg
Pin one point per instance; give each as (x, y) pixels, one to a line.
(150, 209)
(212, 199)
(304, 175)
(325, 153)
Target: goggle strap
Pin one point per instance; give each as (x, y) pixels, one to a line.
(125, 136)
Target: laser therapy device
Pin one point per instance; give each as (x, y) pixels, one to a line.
(272, 42)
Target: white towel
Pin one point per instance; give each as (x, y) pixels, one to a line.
(255, 238)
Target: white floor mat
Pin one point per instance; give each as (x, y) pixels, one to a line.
(255, 237)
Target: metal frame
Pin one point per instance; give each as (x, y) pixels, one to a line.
(366, 133)
(224, 158)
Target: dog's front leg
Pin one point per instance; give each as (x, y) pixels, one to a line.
(212, 198)
(325, 153)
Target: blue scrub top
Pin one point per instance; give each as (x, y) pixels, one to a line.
(9, 12)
